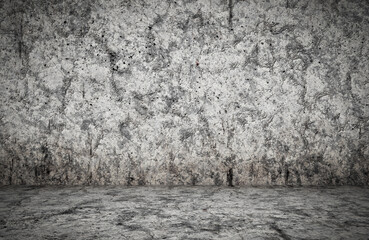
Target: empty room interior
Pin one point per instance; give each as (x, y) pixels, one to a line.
(185, 119)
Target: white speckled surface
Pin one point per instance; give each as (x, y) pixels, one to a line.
(183, 213)
(184, 92)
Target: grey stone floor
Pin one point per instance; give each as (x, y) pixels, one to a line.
(183, 213)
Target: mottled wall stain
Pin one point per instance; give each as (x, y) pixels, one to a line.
(217, 92)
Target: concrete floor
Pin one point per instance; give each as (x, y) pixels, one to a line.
(183, 213)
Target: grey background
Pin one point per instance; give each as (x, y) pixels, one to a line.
(184, 92)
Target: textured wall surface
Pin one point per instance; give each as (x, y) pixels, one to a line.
(184, 92)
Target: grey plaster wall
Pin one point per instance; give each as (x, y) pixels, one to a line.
(184, 92)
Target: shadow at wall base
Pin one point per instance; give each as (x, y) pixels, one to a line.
(258, 173)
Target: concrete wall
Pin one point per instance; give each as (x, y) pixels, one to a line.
(184, 92)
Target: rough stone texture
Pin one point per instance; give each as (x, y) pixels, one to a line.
(183, 213)
(184, 92)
